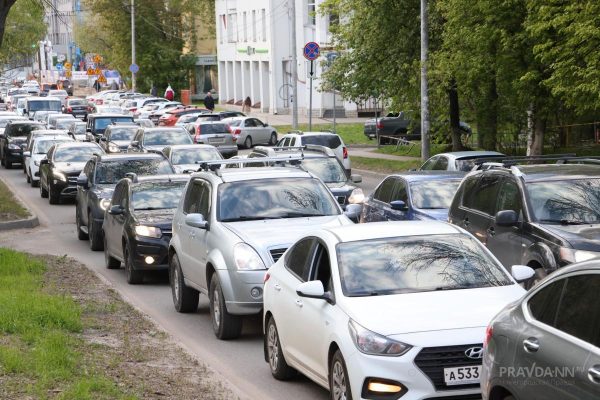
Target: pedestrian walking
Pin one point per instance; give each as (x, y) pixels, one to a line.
(247, 105)
(169, 93)
(97, 86)
(153, 90)
(209, 102)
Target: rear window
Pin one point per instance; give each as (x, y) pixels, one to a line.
(21, 130)
(214, 128)
(101, 123)
(331, 141)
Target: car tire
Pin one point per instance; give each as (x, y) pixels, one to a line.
(225, 325)
(248, 142)
(110, 261)
(94, 234)
(339, 381)
(185, 298)
(81, 235)
(53, 198)
(7, 164)
(27, 177)
(273, 140)
(43, 192)
(134, 277)
(279, 367)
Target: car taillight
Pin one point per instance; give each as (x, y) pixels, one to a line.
(89, 108)
(267, 276)
(489, 332)
(133, 109)
(69, 109)
(345, 150)
(379, 125)
(99, 101)
(198, 130)
(237, 131)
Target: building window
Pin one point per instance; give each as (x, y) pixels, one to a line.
(221, 26)
(312, 12)
(254, 25)
(245, 27)
(232, 28)
(264, 25)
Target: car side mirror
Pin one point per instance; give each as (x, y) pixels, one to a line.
(196, 221)
(356, 178)
(103, 138)
(82, 181)
(313, 290)
(398, 205)
(116, 210)
(353, 211)
(44, 161)
(521, 273)
(507, 218)
(26, 154)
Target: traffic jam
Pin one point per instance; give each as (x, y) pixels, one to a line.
(472, 277)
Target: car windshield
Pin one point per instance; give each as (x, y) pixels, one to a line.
(38, 105)
(4, 122)
(75, 154)
(194, 155)
(157, 196)
(566, 202)
(102, 123)
(42, 146)
(123, 133)
(416, 264)
(110, 172)
(63, 123)
(77, 103)
(164, 138)
(331, 141)
(327, 169)
(79, 129)
(434, 194)
(21, 130)
(57, 93)
(274, 198)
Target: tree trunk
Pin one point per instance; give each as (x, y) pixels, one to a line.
(535, 146)
(5, 6)
(487, 118)
(455, 131)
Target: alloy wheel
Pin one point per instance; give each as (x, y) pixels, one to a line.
(273, 347)
(339, 381)
(217, 308)
(176, 282)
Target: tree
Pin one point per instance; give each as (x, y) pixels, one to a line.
(25, 27)
(5, 6)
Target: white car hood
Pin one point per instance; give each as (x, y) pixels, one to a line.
(430, 311)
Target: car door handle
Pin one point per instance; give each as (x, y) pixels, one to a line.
(594, 374)
(491, 231)
(299, 303)
(277, 287)
(531, 345)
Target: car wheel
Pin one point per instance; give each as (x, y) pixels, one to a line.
(279, 367)
(134, 277)
(54, 198)
(339, 383)
(225, 325)
(110, 261)
(43, 192)
(273, 140)
(248, 142)
(94, 234)
(81, 235)
(185, 299)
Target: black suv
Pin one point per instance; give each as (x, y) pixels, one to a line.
(544, 216)
(14, 140)
(97, 123)
(117, 137)
(137, 226)
(96, 184)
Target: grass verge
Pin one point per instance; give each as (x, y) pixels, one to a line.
(351, 133)
(10, 208)
(386, 166)
(415, 151)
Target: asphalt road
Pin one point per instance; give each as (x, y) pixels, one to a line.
(239, 361)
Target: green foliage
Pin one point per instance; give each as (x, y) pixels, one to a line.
(24, 27)
(385, 166)
(350, 133)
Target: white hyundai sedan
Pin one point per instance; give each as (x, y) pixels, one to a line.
(385, 310)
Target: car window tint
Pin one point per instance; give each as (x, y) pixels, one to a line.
(400, 192)
(385, 190)
(576, 313)
(484, 197)
(286, 142)
(429, 164)
(298, 258)
(509, 198)
(327, 140)
(204, 204)
(249, 123)
(543, 304)
(441, 164)
(321, 267)
(193, 197)
(468, 190)
(258, 123)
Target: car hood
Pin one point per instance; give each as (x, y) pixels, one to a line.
(104, 191)
(159, 147)
(439, 214)
(430, 311)
(581, 237)
(161, 218)
(69, 167)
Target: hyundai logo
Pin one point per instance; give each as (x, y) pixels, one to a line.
(474, 352)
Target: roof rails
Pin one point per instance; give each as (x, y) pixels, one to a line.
(296, 131)
(508, 161)
(216, 164)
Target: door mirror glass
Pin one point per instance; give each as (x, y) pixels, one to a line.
(116, 210)
(507, 218)
(356, 178)
(196, 221)
(398, 205)
(521, 273)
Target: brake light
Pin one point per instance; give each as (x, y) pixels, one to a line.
(237, 131)
(489, 332)
(69, 109)
(133, 109)
(99, 101)
(345, 150)
(267, 276)
(379, 125)
(198, 133)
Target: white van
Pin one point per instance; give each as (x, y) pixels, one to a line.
(35, 104)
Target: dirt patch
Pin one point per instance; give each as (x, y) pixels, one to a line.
(130, 350)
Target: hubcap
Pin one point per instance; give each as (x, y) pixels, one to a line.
(273, 347)
(176, 282)
(339, 381)
(216, 308)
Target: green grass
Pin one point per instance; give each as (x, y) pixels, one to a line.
(386, 166)
(10, 209)
(350, 133)
(38, 335)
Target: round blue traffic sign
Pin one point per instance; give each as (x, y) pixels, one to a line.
(134, 68)
(311, 51)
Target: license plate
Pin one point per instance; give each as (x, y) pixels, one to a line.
(462, 375)
(210, 140)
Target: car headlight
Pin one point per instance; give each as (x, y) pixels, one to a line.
(356, 197)
(571, 255)
(375, 344)
(246, 258)
(59, 175)
(148, 231)
(104, 203)
(13, 146)
(36, 163)
(113, 148)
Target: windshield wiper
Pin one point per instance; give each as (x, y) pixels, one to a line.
(153, 208)
(249, 218)
(299, 215)
(565, 221)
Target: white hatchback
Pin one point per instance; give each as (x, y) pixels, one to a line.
(327, 139)
(385, 310)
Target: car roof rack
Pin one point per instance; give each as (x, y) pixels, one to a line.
(508, 161)
(216, 164)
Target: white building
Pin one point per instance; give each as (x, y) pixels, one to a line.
(254, 56)
(60, 20)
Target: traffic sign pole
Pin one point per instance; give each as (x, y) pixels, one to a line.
(312, 51)
(310, 98)
(133, 45)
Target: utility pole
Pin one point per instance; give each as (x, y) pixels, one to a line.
(424, 84)
(292, 4)
(132, 44)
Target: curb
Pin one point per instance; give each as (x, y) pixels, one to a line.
(26, 223)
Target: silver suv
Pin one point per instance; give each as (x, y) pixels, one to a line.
(231, 225)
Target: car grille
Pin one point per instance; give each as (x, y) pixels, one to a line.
(277, 253)
(433, 360)
(72, 180)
